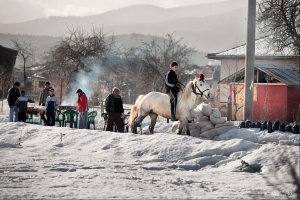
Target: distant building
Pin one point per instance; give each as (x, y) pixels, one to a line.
(233, 60)
(276, 93)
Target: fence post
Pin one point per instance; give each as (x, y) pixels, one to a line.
(228, 109)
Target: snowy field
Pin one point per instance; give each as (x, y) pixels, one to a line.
(65, 163)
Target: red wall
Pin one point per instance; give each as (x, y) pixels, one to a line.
(293, 99)
(274, 101)
(271, 103)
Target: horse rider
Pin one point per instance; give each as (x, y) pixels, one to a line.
(171, 82)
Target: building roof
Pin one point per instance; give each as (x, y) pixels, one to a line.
(8, 51)
(283, 73)
(263, 49)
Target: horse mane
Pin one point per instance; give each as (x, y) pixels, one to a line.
(134, 109)
(186, 93)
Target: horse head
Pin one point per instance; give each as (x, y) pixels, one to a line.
(200, 87)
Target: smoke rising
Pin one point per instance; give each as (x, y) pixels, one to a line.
(84, 80)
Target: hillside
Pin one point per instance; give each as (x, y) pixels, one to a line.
(209, 27)
(44, 43)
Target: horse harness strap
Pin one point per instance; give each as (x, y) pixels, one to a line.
(194, 87)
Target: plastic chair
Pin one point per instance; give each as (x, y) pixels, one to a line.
(29, 118)
(60, 117)
(105, 117)
(91, 119)
(71, 117)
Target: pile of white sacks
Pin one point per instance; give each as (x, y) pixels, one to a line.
(207, 122)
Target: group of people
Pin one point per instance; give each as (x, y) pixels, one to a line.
(17, 102)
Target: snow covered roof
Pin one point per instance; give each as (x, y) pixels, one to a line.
(283, 73)
(262, 49)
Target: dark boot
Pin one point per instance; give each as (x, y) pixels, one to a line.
(174, 118)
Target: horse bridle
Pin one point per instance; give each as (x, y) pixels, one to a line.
(194, 87)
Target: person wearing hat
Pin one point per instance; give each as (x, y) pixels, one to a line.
(13, 95)
(82, 108)
(51, 106)
(21, 104)
(42, 100)
(171, 82)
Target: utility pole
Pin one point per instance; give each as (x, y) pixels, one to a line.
(249, 61)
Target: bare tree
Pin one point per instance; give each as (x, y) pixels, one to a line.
(78, 50)
(82, 44)
(280, 18)
(156, 58)
(26, 54)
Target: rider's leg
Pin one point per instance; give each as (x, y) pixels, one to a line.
(173, 102)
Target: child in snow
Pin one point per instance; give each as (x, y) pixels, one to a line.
(21, 104)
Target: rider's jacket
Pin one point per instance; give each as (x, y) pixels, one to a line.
(170, 81)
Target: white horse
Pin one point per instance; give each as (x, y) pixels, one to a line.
(156, 103)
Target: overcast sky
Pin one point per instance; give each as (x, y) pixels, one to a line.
(23, 10)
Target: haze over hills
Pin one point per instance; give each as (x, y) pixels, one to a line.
(209, 27)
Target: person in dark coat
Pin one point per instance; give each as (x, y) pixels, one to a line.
(172, 89)
(114, 109)
(44, 94)
(21, 104)
(13, 95)
(51, 106)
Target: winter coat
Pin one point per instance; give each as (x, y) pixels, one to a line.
(22, 102)
(171, 81)
(51, 104)
(82, 104)
(44, 94)
(110, 104)
(13, 95)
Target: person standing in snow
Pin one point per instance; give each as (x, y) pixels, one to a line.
(13, 95)
(44, 94)
(171, 82)
(82, 108)
(114, 109)
(51, 106)
(21, 104)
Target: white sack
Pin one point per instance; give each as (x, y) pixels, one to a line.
(227, 123)
(217, 120)
(205, 108)
(195, 132)
(206, 128)
(192, 126)
(209, 134)
(196, 114)
(202, 124)
(224, 129)
(215, 112)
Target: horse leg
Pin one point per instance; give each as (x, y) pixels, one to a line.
(180, 127)
(187, 129)
(153, 116)
(138, 120)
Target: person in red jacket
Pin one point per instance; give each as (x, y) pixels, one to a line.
(82, 108)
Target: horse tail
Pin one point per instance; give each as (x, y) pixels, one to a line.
(134, 111)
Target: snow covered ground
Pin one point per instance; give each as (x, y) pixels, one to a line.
(67, 163)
